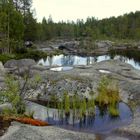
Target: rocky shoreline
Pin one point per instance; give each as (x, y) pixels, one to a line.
(86, 47)
(82, 79)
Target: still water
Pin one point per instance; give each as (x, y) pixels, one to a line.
(73, 60)
(101, 123)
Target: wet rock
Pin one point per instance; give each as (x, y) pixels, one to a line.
(134, 128)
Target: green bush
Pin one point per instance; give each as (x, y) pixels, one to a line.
(108, 92)
(5, 57)
(66, 103)
(108, 96)
(12, 95)
(113, 111)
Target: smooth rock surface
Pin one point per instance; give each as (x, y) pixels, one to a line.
(5, 106)
(19, 63)
(134, 128)
(26, 132)
(116, 138)
(83, 81)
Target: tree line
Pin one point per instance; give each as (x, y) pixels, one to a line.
(18, 24)
(126, 26)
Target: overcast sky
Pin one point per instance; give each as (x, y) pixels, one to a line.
(81, 9)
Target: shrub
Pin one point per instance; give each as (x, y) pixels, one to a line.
(83, 107)
(108, 96)
(12, 95)
(108, 92)
(66, 103)
(113, 111)
(91, 106)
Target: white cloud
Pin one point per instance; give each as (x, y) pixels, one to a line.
(74, 9)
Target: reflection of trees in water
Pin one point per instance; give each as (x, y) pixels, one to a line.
(50, 60)
(88, 61)
(127, 55)
(95, 59)
(123, 59)
(67, 60)
(91, 60)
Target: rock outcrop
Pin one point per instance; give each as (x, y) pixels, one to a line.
(19, 63)
(20, 67)
(25, 132)
(84, 80)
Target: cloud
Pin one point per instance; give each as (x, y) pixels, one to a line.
(81, 9)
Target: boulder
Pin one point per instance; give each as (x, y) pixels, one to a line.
(19, 63)
(10, 63)
(5, 106)
(20, 67)
(19, 131)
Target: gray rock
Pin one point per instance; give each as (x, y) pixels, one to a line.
(25, 132)
(85, 80)
(116, 138)
(5, 106)
(134, 127)
(103, 44)
(10, 63)
(39, 68)
(19, 63)
(20, 67)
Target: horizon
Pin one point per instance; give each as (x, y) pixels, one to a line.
(98, 9)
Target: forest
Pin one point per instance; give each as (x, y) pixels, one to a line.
(18, 24)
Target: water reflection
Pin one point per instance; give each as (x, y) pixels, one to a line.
(98, 124)
(71, 60)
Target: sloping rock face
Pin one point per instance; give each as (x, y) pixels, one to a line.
(134, 128)
(85, 80)
(64, 82)
(25, 132)
(82, 80)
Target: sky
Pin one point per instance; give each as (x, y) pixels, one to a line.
(81, 9)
